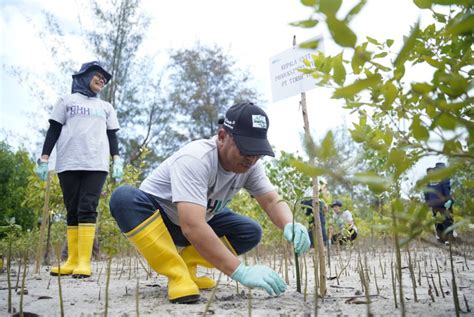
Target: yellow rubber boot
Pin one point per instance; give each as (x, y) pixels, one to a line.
(71, 262)
(192, 258)
(152, 239)
(85, 241)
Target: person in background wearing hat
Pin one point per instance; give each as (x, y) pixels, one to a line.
(183, 204)
(438, 196)
(83, 128)
(307, 203)
(342, 228)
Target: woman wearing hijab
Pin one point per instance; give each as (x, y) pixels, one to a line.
(83, 128)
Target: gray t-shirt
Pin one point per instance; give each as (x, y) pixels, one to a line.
(193, 174)
(83, 143)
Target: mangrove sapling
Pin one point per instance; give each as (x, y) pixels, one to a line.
(376, 285)
(412, 274)
(453, 281)
(430, 290)
(57, 251)
(12, 230)
(213, 295)
(23, 279)
(434, 285)
(364, 282)
(137, 298)
(439, 278)
(394, 287)
(316, 281)
(419, 275)
(468, 309)
(107, 283)
(121, 269)
(398, 261)
(20, 261)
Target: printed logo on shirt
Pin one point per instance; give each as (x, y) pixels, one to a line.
(76, 110)
(214, 206)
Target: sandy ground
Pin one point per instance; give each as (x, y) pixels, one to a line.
(345, 293)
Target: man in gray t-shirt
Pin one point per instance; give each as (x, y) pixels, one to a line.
(183, 204)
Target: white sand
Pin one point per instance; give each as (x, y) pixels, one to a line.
(344, 297)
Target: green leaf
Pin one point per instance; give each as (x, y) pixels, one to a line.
(452, 146)
(399, 72)
(360, 57)
(445, 2)
(309, 3)
(305, 70)
(453, 85)
(307, 169)
(407, 47)
(329, 7)
(356, 87)
(465, 26)
(439, 17)
(420, 132)
(433, 62)
(340, 32)
(380, 55)
(355, 10)
(398, 159)
(446, 122)
(305, 23)
(314, 44)
(327, 147)
(423, 4)
(389, 42)
(372, 40)
(339, 70)
(455, 106)
(389, 92)
(376, 183)
(421, 88)
(358, 135)
(388, 137)
(381, 67)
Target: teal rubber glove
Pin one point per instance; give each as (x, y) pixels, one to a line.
(259, 276)
(448, 204)
(301, 241)
(117, 169)
(42, 170)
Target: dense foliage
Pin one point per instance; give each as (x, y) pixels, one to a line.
(15, 170)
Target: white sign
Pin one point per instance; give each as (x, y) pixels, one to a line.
(286, 80)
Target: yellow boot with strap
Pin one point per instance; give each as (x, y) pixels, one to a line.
(192, 258)
(85, 242)
(152, 239)
(71, 262)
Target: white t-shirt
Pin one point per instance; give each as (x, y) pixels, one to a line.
(83, 143)
(193, 174)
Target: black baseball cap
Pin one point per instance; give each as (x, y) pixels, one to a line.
(248, 124)
(94, 65)
(336, 203)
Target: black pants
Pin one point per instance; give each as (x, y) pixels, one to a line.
(81, 191)
(444, 224)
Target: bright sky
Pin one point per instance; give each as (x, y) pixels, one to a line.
(252, 31)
